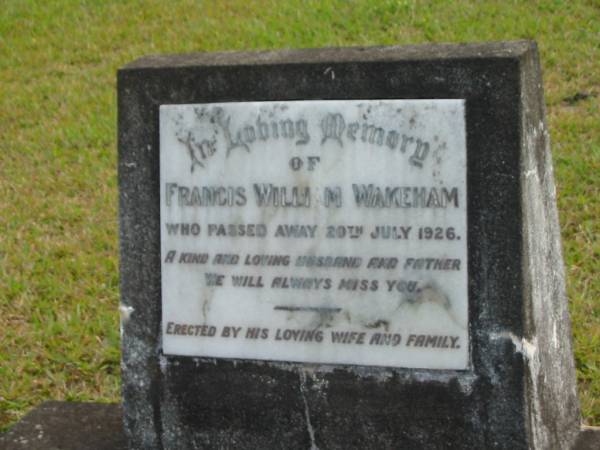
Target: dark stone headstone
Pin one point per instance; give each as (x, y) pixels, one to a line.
(499, 371)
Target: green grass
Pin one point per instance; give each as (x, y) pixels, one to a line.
(58, 192)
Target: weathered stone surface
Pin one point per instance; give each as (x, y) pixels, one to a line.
(68, 426)
(551, 382)
(95, 426)
(588, 439)
(520, 389)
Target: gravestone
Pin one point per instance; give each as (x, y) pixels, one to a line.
(342, 248)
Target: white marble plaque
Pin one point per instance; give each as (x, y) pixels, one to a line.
(327, 232)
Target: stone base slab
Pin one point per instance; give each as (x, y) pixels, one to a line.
(68, 426)
(98, 426)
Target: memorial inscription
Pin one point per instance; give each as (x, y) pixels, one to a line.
(316, 231)
(370, 260)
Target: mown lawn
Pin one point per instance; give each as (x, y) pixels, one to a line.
(59, 335)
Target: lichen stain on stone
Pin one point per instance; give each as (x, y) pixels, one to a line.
(206, 301)
(163, 363)
(320, 374)
(125, 313)
(347, 316)
(314, 319)
(430, 293)
(326, 319)
(329, 71)
(526, 348)
(206, 307)
(378, 323)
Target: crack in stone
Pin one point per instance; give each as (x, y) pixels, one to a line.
(309, 427)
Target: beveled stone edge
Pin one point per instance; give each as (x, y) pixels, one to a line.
(335, 55)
